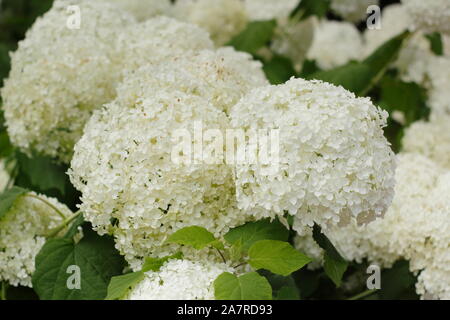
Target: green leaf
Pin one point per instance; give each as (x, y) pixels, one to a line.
(196, 237)
(334, 269)
(354, 77)
(8, 197)
(276, 256)
(398, 282)
(73, 229)
(250, 286)
(436, 43)
(154, 264)
(279, 70)
(322, 240)
(120, 285)
(309, 8)
(254, 37)
(309, 67)
(6, 149)
(252, 232)
(96, 258)
(288, 293)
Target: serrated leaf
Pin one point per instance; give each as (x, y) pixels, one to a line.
(250, 286)
(120, 285)
(96, 258)
(252, 232)
(8, 197)
(276, 256)
(196, 237)
(154, 264)
(334, 269)
(254, 37)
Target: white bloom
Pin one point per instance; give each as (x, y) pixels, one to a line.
(22, 232)
(64, 74)
(124, 169)
(223, 19)
(157, 39)
(429, 16)
(335, 43)
(352, 10)
(430, 139)
(294, 39)
(222, 77)
(179, 280)
(334, 162)
(144, 9)
(305, 243)
(268, 10)
(439, 93)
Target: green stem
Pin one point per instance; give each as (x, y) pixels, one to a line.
(3, 292)
(58, 229)
(47, 203)
(221, 255)
(363, 294)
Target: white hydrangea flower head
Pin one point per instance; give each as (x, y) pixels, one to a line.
(222, 77)
(64, 74)
(334, 162)
(223, 19)
(180, 280)
(430, 139)
(22, 231)
(157, 39)
(429, 16)
(144, 9)
(352, 10)
(267, 10)
(439, 93)
(305, 243)
(294, 39)
(335, 43)
(123, 167)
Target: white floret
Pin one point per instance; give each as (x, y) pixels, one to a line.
(144, 9)
(334, 162)
(63, 75)
(222, 77)
(352, 10)
(179, 280)
(429, 16)
(335, 43)
(438, 71)
(268, 10)
(22, 235)
(223, 19)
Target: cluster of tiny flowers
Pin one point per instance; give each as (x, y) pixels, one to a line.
(352, 10)
(258, 10)
(222, 77)
(64, 74)
(431, 139)
(124, 168)
(439, 94)
(335, 43)
(429, 16)
(144, 9)
(416, 227)
(223, 19)
(157, 39)
(22, 235)
(334, 162)
(179, 280)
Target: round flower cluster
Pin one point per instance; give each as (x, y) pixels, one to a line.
(125, 167)
(439, 94)
(335, 43)
(334, 162)
(429, 16)
(22, 235)
(416, 227)
(223, 19)
(431, 139)
(157, 39)
(179, 280)
(352, 10)
(268, 10)
(64, 74)
(144, 9)
(222, 77)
